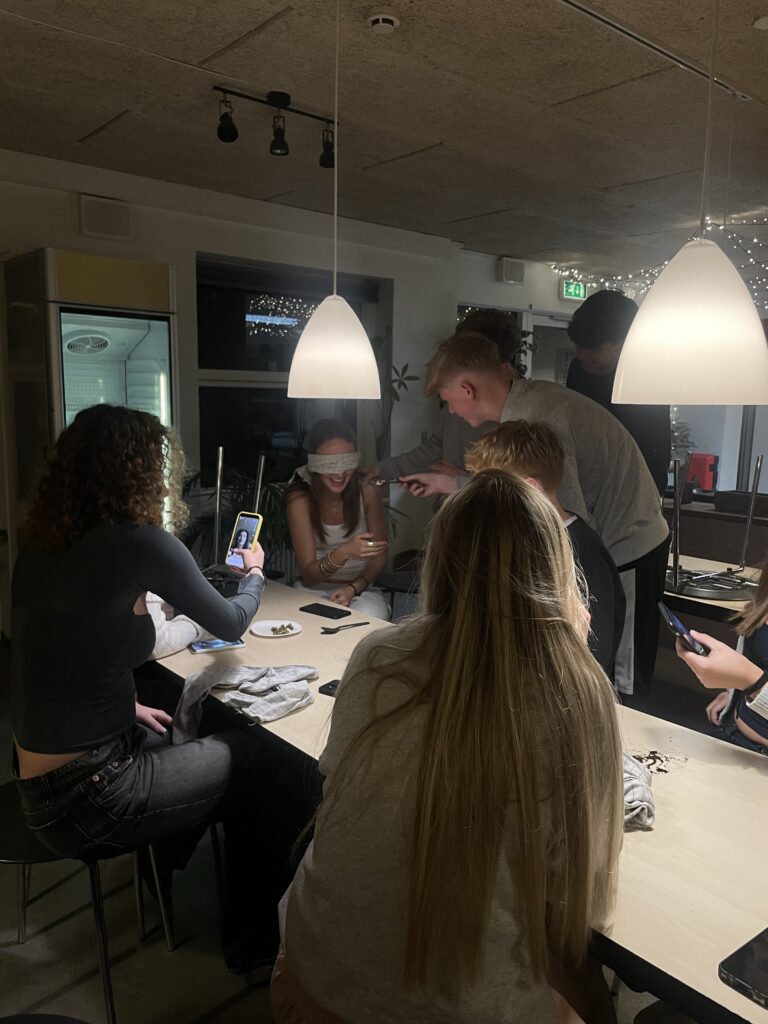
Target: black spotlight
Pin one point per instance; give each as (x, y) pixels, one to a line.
(278, 146)
(227, 130)
(326, 157)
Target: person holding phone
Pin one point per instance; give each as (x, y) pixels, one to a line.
(92, 775)
(338, 527)
(740, 712)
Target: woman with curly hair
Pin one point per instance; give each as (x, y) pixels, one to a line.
(92, 775)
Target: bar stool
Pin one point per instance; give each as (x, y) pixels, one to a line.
(20, 846)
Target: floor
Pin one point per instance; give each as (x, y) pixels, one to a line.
(55, 971)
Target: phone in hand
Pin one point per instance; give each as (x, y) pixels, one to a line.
(746, 970)
(244, 535)
(210, 646)
(675, 626)
(329, 689)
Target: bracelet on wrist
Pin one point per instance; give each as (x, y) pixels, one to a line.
(329, 557)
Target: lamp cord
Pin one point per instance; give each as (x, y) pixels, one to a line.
(336, 157)
(708, 136)
(728, 172)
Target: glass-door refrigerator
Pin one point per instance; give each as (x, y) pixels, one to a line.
(81, 330)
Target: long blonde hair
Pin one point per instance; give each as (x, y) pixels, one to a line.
(517, 713)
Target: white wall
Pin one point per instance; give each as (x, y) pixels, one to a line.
(477, 285)
(172, 223)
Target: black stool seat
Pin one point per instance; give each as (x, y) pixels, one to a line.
(17, 844)
(41, 1018)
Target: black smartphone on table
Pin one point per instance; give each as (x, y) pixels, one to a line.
(675, 626)
(746, 970)
(329, 689)
(325, 610)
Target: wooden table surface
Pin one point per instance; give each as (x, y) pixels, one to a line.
(705, 565)
(695, 888)
(306, 728)
(691, 891)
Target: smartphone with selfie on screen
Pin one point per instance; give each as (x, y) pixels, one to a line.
(675, 626)
(746, 970)
(244, 535)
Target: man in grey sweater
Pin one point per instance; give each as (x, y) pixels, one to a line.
(606, 481)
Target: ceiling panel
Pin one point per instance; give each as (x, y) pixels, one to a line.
(514, 126)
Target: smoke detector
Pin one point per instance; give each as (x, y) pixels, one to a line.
(86, 343)
(761, 24)
(383, 23)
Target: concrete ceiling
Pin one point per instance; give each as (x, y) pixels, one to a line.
(518, 127)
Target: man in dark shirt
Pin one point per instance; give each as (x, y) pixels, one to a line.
(533, 451)
(598, 330)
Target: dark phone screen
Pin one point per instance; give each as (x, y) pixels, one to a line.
(747, 969)
(325, 611)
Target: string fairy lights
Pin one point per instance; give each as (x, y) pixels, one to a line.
(751, 259)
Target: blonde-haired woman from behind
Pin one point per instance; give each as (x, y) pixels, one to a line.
(472, 812)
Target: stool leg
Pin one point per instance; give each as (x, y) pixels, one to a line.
(22, 881)
(164, 913)
(218, 866)
(138, 893)
(101, 942)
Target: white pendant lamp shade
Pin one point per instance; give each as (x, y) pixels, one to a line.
(697, 338)
(334, 358)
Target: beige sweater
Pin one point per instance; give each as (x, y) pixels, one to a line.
(344, 915)
(606, 480)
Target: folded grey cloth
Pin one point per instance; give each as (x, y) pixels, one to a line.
(639, 811)
(263, 694)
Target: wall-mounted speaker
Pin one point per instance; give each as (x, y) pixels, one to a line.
(510, 271)
(105, 218)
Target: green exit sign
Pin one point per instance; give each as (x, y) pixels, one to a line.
(576, 290)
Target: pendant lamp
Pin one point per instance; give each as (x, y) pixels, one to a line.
(697, 338)
(334, 358)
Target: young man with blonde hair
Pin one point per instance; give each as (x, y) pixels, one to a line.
(606, 481)
(533, 452)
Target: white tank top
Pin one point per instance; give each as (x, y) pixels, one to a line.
(337, 535)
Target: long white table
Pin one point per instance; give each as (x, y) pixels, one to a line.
(690, 891)
(307, 728)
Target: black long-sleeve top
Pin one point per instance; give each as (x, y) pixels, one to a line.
(77, 639)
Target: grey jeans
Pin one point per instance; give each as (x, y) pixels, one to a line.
(134, 790)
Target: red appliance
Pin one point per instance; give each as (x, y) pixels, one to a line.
(702, 471)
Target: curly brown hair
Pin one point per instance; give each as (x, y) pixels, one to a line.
(112, 464)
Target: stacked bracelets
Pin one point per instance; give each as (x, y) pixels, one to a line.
(327, 566)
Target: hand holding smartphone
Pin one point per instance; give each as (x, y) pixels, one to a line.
(676, 627)
(245, 535)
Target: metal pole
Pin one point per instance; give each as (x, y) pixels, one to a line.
(751, 511)
(259, 476)
(217, 514)
(676, 525)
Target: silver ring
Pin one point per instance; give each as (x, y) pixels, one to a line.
(370, 543)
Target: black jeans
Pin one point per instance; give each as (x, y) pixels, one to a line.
(134, 790)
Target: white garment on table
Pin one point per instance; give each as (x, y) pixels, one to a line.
(174, 633)
(262, 693)
(639, 809)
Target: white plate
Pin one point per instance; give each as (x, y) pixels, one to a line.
(263, 628)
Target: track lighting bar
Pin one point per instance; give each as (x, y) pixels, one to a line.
(675, 58)
(277, 100)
